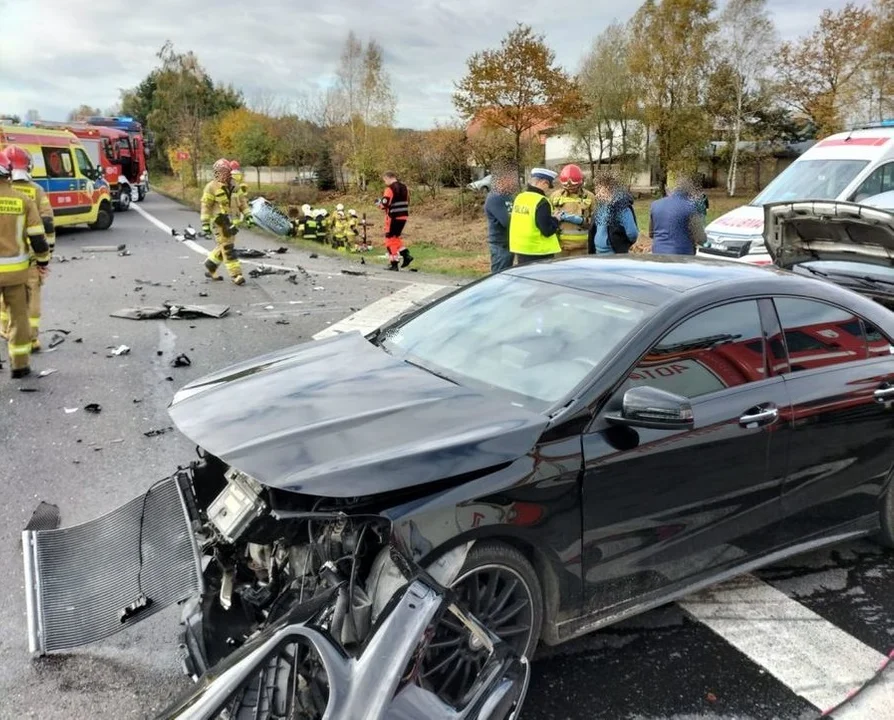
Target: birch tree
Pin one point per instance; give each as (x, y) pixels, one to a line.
(747, 42)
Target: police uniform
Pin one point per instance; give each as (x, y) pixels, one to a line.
(21, 228)
(532, 227)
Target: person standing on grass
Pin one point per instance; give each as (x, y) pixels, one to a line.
(497, 207)
(676, 225)
(614, 230)
(395, 202)
(533, 229)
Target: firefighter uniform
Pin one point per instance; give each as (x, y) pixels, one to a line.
(20, 227)
(341, 230)
(310, 226)
(35, 279)
(240, 195)
(218, 209)
(578, 207)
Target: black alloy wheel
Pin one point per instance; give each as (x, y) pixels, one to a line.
(500, 588)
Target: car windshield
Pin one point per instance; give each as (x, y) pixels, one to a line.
(881, 274)
(535, 340)
(811, 180)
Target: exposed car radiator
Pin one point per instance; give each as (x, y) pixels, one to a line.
(87, 582)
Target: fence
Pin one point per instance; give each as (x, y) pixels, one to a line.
(268, 175)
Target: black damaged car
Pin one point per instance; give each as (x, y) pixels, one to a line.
(563, 445)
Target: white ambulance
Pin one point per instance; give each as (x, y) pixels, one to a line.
(852, 166)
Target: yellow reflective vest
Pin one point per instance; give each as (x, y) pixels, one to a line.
(525, 237)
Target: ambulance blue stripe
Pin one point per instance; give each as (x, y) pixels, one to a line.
(57, 184)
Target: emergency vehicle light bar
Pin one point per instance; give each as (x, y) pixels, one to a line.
(877, 124)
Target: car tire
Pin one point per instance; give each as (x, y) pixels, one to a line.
(124, 199)
(886, 534)
(511, 608)
(104, 217)
(141, 193)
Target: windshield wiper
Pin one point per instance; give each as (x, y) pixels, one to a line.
(814, 271)
(432, 372)
(702, 343)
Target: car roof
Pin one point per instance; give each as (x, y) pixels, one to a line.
(649, 279)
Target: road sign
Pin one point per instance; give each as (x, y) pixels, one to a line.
(183, 155)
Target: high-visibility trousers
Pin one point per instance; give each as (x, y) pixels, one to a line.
(224, 252)
(35, 283)
(15, 299)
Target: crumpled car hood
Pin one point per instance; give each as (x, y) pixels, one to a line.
(797, 232)
(342, 418)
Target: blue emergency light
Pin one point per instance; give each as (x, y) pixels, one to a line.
(877, 124)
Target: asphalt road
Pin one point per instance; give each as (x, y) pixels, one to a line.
(665, 665)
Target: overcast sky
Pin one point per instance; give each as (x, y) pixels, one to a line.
(58, 54)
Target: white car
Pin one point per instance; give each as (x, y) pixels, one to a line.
(854, 166)
(484, 184)
(884, 200)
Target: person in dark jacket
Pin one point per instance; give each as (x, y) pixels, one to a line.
(614, 229)
(676, 225)
(497, 207)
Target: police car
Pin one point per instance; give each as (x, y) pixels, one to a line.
(855, 166)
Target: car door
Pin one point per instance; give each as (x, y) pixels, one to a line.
(878, 181)
(841, 383)
(663, 507)
(63, 184)
(88, 175)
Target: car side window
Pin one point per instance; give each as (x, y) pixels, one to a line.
(879, 181)
(58, 162)
(716, 349)
(819, 335)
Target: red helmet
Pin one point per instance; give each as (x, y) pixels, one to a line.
(21, 162)
(5, 163)
(234, 165)
(571, 177)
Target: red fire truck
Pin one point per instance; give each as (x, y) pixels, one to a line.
(134, 151)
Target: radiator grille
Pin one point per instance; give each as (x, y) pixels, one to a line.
(79, 579)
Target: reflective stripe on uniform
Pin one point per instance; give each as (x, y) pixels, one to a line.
(34, 321)
(525, 237)
(19, 350)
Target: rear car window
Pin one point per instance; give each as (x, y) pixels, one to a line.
(820, 335)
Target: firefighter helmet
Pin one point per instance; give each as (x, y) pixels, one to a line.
(221, 170)
(339, 208)
(305, 209)
(234, 165)
(21, 162)
(571, 177)
(5, 164)
(352, 212)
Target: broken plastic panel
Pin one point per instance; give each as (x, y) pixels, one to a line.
(87, 582)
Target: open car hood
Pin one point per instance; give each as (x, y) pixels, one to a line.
(342, 418)
(797, 232)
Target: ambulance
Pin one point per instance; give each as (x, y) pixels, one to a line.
(77, 190)
(853, 166)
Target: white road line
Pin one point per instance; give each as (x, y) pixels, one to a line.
(814, 658)
(372, 316)
(195, 247)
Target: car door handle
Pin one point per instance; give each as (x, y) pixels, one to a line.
(760, 415)
(884, 394)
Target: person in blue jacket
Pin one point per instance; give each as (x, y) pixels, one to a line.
(614, 229)
(497, 207)
(676, 224)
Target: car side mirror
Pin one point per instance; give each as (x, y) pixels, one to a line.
(649, 407)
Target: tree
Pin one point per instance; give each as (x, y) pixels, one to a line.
(820, 74)
(325, 171)
(32, 116)
(880, 71)
(748, 41)
(610, 96)
(517, 87)
(82, 112)
(669, 52)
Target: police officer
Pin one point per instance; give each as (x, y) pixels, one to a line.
(218, 207)
(20, 226)
(574, 206)
(532, 227)
(21, 181)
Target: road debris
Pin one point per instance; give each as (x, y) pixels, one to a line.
(28, 389)
(93, 408)
(249, 253)
(118, 351)
(56, 340)
(156, 433)
(47, 372)
(282, 321)
(172, 311)
(203, 294)
(45, 517)
(262, 270)
(293, 279)
(319, 287)
(313, 256)
(182, 360)
(124, 253)
(69, 411)
(104, 248)
(353, 272)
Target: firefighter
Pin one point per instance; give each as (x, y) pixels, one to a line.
(341, 229)
(309, 225)
(324, 226)
(356, 243)
(574, 208)
(240, 193)
(20, 227)
(21, 181)
(218, 206)
(395, 202)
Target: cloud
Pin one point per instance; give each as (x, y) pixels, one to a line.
(57, 54)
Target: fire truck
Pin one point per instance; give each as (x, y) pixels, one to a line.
(135, 150)
(104, 147)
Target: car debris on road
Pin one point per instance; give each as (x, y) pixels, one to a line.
(172, 311)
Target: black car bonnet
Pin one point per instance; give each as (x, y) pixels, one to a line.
(342, 418)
